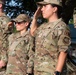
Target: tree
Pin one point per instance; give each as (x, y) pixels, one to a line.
(15, 7)
(68, 8)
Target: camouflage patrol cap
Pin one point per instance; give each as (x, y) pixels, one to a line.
(22, 17)
(1, 1)
(57, 2)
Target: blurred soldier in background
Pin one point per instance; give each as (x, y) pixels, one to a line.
(69, 12)
(3, 36)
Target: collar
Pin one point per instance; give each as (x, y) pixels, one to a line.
(53, 24)
(2, 15)
(18, 35)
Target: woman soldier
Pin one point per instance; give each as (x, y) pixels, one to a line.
(52, 39)
(21, 51)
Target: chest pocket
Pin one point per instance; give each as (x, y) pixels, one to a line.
(50, 41)
(17, 44)
(24, 46)
(22, 43)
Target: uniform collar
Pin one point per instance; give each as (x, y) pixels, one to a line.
(53, 24)
(18, 35)
(2, 14)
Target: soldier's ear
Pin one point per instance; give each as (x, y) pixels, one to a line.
(55, 9)
(27, 23)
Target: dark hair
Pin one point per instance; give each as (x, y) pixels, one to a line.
(2, 5)
(28, 25)
(59, 11)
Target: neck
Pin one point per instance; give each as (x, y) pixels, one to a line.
(23, 31)
(53, 18)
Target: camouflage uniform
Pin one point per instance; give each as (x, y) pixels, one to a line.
(3, 38)
(20, 49)
(50, 40)
(3, 33)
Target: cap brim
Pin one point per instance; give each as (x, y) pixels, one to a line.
(42, 3)
(17, 20)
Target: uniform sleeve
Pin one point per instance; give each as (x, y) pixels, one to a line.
(64, 39)
(8, 29)
(30, 64)
(4, 51)
(4, 47)
(4, 56)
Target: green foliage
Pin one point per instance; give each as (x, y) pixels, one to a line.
(14, 30)
(15, 7)
(71, 21)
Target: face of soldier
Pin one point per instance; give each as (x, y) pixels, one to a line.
(48, 11)
(20, 26)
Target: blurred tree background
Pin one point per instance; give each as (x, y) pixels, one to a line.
(15, 7)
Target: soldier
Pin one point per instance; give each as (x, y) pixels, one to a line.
(3, 36)
(20, 52)
(52, 39)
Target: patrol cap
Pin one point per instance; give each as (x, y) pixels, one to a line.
(22, 17)
(1, 1)
(57, 2)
